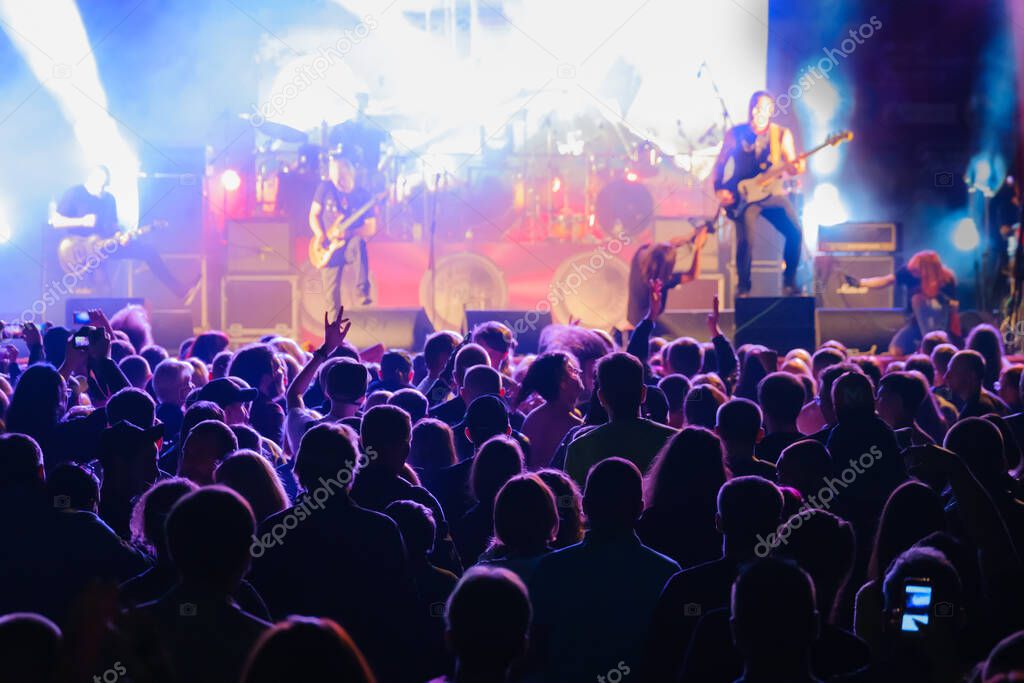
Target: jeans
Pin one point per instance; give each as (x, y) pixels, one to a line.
(353, 252)
(778, 211)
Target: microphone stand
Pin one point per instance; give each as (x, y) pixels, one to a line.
(726, 119)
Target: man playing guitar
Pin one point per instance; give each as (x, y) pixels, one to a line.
(749, 149)
(336, 199)
(89, 211)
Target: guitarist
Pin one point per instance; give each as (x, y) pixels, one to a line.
(89, 210)
(336, 198)
(748, 149)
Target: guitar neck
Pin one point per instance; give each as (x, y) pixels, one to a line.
(775, 171)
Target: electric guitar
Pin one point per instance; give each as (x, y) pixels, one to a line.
(338, 233)
(769, 181)
(74, 250)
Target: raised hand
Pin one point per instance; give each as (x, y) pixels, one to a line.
(335, 332)
(655, 289)
(98, 318)
(30, 333)
(713, 318)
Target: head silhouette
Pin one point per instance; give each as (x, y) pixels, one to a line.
(613, 496)
(488, 617)
(208, 536)
(774, 619)
(306, 649)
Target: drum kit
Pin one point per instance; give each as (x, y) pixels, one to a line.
(575, 182)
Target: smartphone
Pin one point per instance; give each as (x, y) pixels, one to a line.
(81, 341)
(917, 605)
(81, 317)
(13, 330)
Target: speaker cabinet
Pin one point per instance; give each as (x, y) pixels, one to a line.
(186, 267)
(672, 324)
(832, 291)
(394, 328)
(698, 294)
(525, 325)
(259, 246)
(171, 327)
(780, 323)
(256, 305)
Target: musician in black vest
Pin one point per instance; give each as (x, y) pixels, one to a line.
(748, 149)
(90, 211)
(337, 198)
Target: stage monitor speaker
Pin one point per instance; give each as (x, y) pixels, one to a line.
(394, 328)
(866, 330)
(108, 304)
(525, 325)
(780, 323)
(832, 290)
(171, 327)
(693, 323)
(260, 246)
(253, 306)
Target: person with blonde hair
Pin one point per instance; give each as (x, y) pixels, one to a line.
(251, 476)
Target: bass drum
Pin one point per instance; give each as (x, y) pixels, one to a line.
(624, 205)
(465, 281)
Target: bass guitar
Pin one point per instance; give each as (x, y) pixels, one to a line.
(338, 233)
(769, 181)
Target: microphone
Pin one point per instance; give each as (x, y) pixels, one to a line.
(700, 69)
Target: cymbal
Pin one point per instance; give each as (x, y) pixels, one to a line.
(280, 131)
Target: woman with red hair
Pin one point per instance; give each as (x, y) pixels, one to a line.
(931, 300)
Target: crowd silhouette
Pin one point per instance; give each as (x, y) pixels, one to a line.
(651, 509)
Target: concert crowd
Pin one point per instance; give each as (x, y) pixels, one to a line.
(655, 510)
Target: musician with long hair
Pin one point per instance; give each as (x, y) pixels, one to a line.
(931, 299)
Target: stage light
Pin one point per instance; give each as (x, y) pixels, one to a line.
(63, 61)
(556, 184)
(631, 176)
(828, 207)
(230, 180)
(965, 235)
